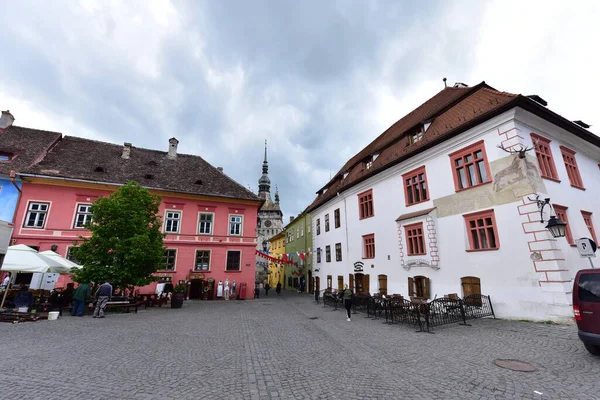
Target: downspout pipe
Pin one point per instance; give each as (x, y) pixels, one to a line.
(12, 180)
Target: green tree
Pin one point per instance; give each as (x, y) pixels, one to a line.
(126, 245)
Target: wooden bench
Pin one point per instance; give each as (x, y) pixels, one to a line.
(109, 305)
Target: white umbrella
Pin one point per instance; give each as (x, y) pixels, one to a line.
(60, 259)
(21, 258)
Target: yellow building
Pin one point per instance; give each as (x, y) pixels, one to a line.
(276, 249)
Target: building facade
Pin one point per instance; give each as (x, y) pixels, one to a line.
(298, 248)
(276, 250)
(208, 219)
(444, 202)
(270, 217)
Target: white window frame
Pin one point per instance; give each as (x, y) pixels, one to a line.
(227, 258)
(240, 224)
(86, 215)
(68, 252)
(212, 223)
(167, 219)
(45, 212)
(196, 258)
(174, 262)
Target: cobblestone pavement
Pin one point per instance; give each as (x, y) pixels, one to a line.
(270, 348)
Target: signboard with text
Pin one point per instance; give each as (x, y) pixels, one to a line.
(586, 247)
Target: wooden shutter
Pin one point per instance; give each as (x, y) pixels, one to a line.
(351, 280)
(382, 284)
(366, 286)
(340, 282)
(411, 287)
(426, 286)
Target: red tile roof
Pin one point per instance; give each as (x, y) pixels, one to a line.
(28, 146)
(451, 112)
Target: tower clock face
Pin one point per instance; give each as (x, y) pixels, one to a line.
(268, 224)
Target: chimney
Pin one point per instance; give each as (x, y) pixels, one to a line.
(173, 148)
(291, 219)
(220, 169)
(6, 120)
(126, 151)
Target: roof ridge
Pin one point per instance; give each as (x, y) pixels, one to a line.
(32, 129)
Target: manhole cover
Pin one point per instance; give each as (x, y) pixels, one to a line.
(313, 318)
(515, 365)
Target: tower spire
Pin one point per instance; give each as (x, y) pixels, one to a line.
(276, 194)
(264, 183)
(265, 167)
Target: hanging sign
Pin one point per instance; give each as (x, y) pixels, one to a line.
(587, 247)
(358, 266)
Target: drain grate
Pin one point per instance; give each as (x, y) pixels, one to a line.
(515, 365)
(313, 318)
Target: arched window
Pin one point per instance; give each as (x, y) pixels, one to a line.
(419, 287)
(470, 285)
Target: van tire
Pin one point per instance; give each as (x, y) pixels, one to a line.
(595, 350)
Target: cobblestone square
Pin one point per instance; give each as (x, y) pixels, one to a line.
(286, 347)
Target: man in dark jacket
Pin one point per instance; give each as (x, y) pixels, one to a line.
(80, 299)
(103, 294)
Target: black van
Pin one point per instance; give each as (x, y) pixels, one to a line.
(586, 306)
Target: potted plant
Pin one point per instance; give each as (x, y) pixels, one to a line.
(178, 296)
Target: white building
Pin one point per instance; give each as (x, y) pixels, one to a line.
(433, 206)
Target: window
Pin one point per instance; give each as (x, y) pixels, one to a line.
(234, 258)
(369, 163)
(308, 226)
(202, 260)
(571, 166)
(340, 283)
(318, 255)
(482, 232)
(169, 259)
(382, 284)
(235, 225)
(418, 287)
(369, 246)
(326, 222)
(205, 224)
(587, 218)
(302, 229)
(470, 166)
(416, 136)
(471, 285)
(338, 252)
(589, 288)
(172, 219)
(70, 256)
(336, 218)
(83, 216)
(329, 282)
(36, 215)
(415, 242)
(327, 253)
(318, 226)
(544, 157)
(415, 186)
(4, 156)
(365, 204)
(561, 213)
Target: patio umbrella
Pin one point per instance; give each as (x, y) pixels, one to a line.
(57, 257)
(21, 258)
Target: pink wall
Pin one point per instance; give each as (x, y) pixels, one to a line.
(59, 230)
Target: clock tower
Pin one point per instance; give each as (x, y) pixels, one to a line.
(270, 217)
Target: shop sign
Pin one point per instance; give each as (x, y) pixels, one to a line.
(196, 275)
(358, 266)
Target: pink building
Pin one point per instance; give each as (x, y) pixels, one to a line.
(209, 219)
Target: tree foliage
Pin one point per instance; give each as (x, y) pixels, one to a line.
(126, 245)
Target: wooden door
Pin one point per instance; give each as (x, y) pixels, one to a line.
(340, 282)
(382, 284)
(358, 281)
(351, 282)
(471, 285)
(311, 283)
(366, 284)
(318, 284)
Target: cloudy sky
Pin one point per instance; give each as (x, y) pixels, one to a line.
(318, 79)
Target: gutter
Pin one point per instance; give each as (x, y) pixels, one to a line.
(12, 180)
(259, 201)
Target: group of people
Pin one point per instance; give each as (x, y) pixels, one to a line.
(267, 287)
(83, 295)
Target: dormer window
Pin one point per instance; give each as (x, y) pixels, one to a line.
(149, 176)
(198, 182)
(152, 163)
(375, 156)
(324, 190)
(4, 156)
(415, 136)
(99, 169)
(368, 163)
(346, 175)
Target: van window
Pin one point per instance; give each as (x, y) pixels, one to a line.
(589, 288)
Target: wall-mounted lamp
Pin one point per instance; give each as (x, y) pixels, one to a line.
(556, 227)
(54, 247)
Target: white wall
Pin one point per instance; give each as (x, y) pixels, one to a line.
(507, 274)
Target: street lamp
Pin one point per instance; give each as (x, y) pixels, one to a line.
(556, 227)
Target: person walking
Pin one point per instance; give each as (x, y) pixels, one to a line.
(267, 287)
(103, 294)
(278, 288)
(80, 299)
(348, 297)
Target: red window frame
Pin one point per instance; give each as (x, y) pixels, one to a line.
(587, 218)
(365, 204)
(572, 168)
(463, 159)
(561, 213)
(543, 152)
(415, 186)
(415, 240)
(369, 246)
(482, 231)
